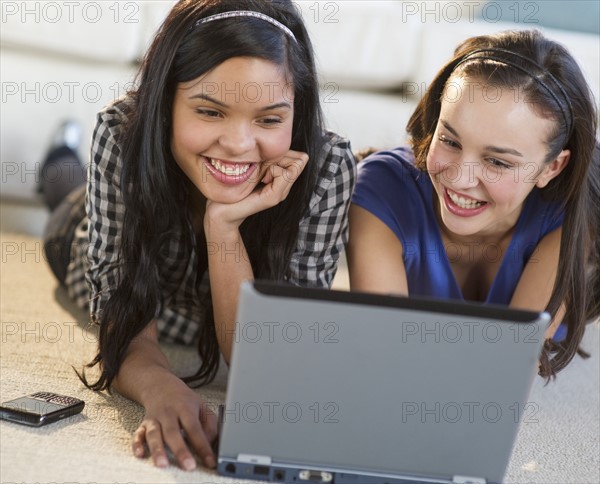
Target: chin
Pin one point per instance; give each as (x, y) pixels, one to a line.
(228, 198)
(460, 227)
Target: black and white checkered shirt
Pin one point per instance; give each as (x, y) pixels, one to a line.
(93, 271)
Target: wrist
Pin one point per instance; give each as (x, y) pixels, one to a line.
(162, 383)
(221, 232)
(144, 388)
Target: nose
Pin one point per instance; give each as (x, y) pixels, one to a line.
(237, 138)
(461, 173)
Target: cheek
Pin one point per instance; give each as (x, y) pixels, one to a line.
(179, 145)
(186, 139)
(503, 189)
(276, 143)
(178, 151)
(437, 161)
(431, 163)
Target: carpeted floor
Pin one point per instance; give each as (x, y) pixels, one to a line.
(43, 336)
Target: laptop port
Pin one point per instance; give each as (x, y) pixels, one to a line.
(261, 470)
(279, 475)
(230, 468)
(315, 476)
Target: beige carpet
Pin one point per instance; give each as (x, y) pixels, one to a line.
(43, 335)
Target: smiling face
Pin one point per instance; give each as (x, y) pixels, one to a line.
(487, 154)
(230, 124)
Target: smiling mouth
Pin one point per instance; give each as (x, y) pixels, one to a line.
(229, 169)
(229, 172)
(466, 203)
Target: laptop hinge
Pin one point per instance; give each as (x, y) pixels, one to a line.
(254, 459)
(468, 480)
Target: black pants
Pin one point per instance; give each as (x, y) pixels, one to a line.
(62, 186)
(60, 231)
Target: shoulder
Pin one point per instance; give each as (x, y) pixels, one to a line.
(108, 137)
(386, 173)
(542, 216)
(395, 191)
(119, 110)
(114, 116)
(396, 162)
(335, 154)
(336, 167)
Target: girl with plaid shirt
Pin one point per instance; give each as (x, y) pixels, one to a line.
(216, 169)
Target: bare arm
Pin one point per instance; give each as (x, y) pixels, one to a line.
(170, 405)
(374, 255)
(228, 267)
(228, 263)
(145, 375)
(535, 286)
(143, 350)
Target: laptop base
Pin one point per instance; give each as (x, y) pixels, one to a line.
(292, 474)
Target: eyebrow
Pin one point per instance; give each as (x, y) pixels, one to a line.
(270, 107)
(495, 149)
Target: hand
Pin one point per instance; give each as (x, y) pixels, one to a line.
(276, 185)
(174, 412)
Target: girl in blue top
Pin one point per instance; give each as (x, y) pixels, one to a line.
(498, 199)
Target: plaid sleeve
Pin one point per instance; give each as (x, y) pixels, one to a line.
(323, 232)
(105, 210)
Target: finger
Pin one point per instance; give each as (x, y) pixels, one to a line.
(200, 436)
(209, 422)
(270, 192)
(293, 168)
(276, 171)
(293, 157)
(268, 177)
(282, 183)
(154, 440)
(173, 437)
(139, 440)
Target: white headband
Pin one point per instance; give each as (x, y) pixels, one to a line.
(247, 13)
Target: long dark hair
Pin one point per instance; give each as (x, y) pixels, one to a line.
(549, 78)
(155, 189)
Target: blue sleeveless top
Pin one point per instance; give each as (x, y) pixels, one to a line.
(400, 195)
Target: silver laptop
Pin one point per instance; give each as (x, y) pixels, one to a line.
(350, 388)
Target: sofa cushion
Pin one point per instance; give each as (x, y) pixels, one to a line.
(362, 44)
(439, 40)
(105, 31)
(368, 119)
(153, 13)
(38, 93)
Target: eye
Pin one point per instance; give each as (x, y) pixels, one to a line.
(442, 138)
(496, 163)
(209, 113)
(270, 121)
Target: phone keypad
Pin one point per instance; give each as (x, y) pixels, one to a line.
(54, 398)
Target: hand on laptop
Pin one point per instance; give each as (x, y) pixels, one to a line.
(180, 420)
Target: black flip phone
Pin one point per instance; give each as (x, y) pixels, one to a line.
(40, 408)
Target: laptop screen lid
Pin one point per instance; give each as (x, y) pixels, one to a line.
(333, 386)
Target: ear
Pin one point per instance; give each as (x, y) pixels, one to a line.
(552, 170)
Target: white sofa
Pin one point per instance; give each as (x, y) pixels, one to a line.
(62, 60)
(380, 56)
(68, 59)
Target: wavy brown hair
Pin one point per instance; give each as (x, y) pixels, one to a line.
(549, 78)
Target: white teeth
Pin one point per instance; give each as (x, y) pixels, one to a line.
(463, 202)
(239, 169)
